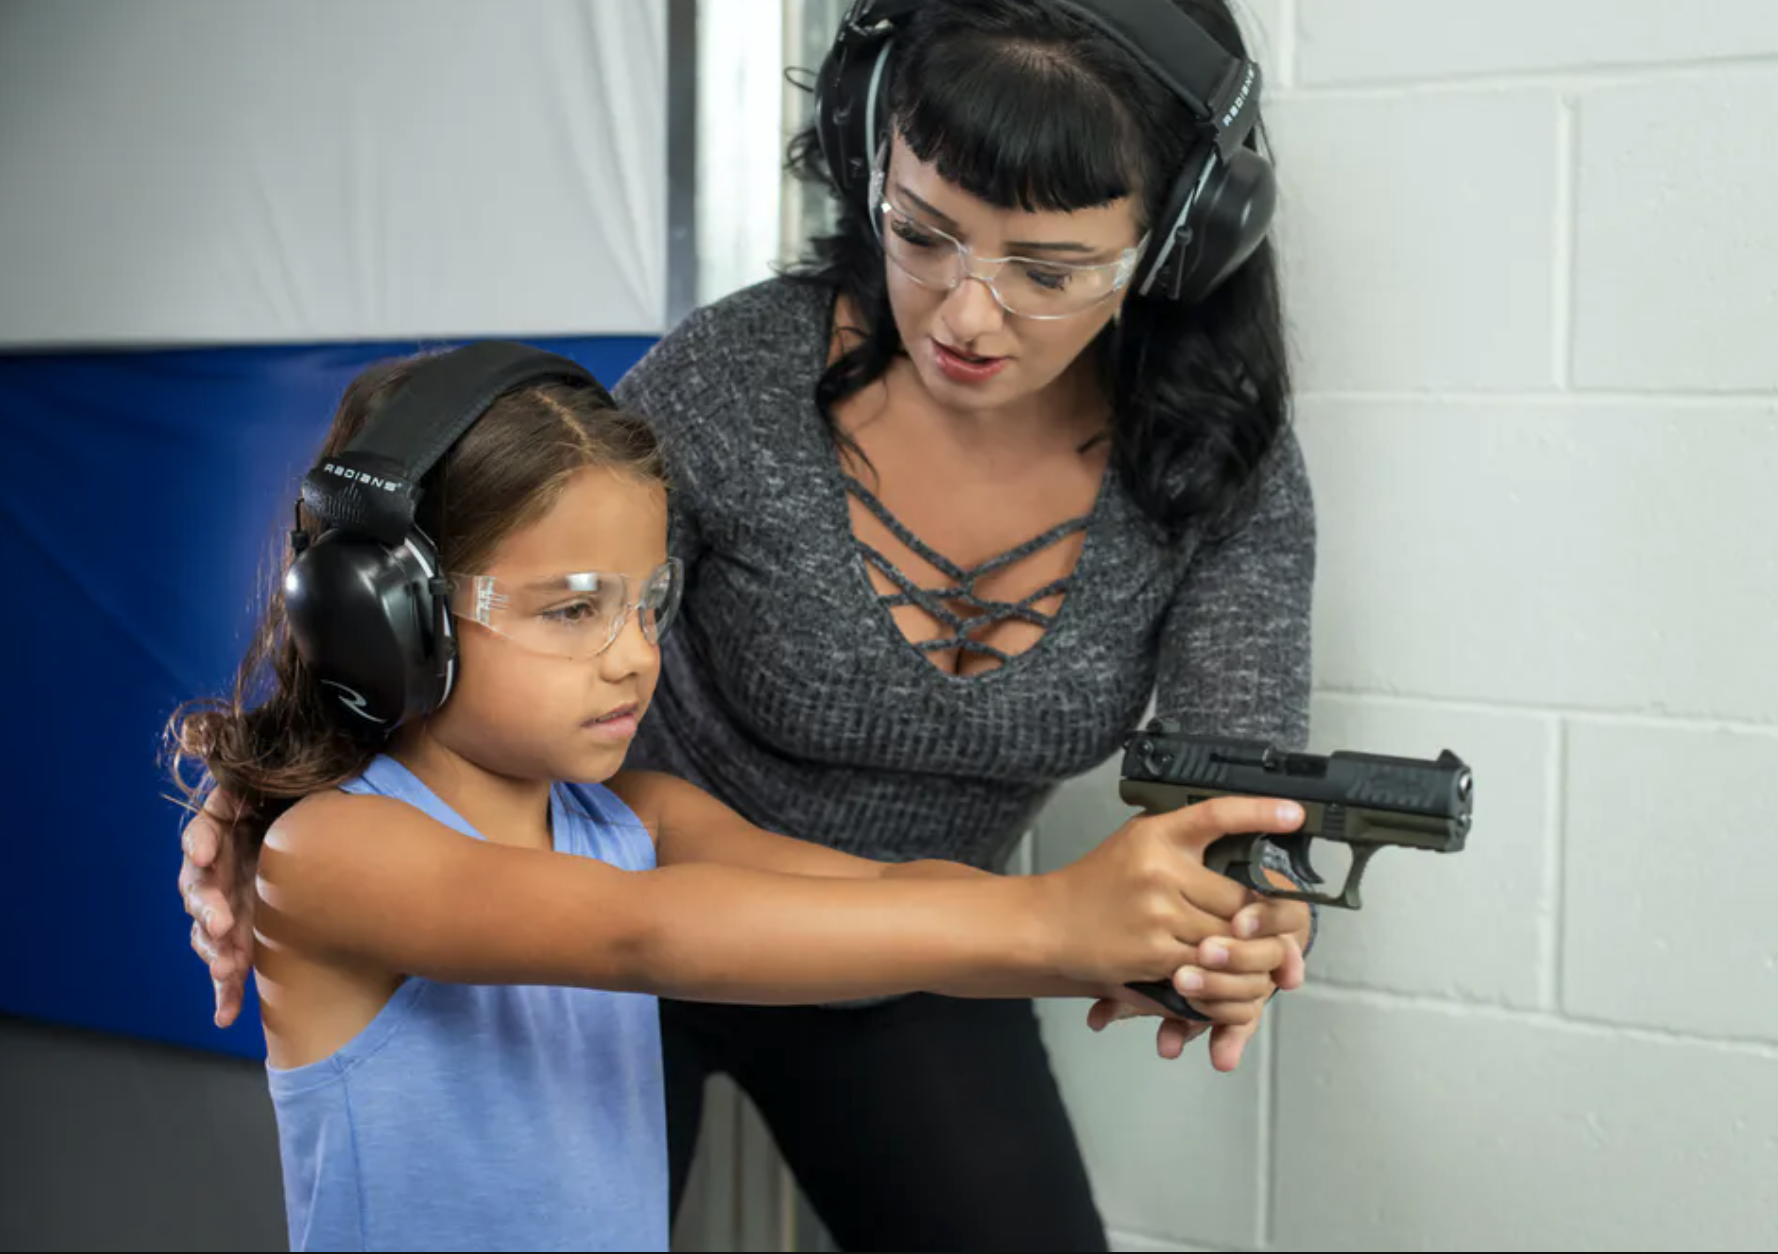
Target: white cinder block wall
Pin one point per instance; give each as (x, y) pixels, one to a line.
(1532, 254)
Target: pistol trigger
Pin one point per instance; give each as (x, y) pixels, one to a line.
(1253, 871)
(1296, 852)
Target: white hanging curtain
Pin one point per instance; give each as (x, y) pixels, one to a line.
(263, 171)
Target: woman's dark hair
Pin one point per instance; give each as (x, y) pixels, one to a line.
(275, 740)
(1025, 106)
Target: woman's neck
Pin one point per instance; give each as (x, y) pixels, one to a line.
(1056, 422)
(505, 810)
(1062, 418)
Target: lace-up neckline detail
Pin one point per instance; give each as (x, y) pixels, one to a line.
(937, 603)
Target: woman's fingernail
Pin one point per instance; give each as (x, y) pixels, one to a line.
(1190, 981)
(1289, 812)
(1247, 925)
(1214, 954)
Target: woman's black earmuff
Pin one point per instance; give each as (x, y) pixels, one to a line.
(367, 605)
(1222, 201)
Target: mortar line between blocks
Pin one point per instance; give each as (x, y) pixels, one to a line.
(1262, 1139)
(1332, 992)
(1268, 1132)
(1124, 1233)
(1550, 985)
(1290, 36)
(1593, 396)
(1597, 76)
(1574, 713)
(1567, 250)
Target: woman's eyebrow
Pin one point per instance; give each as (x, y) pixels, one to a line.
(944, 220)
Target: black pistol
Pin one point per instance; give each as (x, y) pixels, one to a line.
(1362, 800)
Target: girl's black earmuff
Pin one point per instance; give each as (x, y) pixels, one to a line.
(1222, 201)
(367, 605)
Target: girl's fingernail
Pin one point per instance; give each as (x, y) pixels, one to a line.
(1190, 981)
(1247, 925)
(1215, 954)
(1289, 812)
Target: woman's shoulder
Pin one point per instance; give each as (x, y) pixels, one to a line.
(725, 347)
(1281, 495)
(726, 379)
(779, 307)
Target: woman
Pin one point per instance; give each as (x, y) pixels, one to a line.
(955, 500)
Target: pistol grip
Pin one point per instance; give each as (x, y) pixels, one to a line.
(1231, 856)
(1236, 857)
(1242, 859)
(1164, 993)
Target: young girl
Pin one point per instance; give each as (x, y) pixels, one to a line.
(464, 918)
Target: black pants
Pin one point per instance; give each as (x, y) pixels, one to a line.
(927, 1123)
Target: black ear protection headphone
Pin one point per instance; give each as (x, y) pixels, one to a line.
(367, 605)
(1222, 201)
